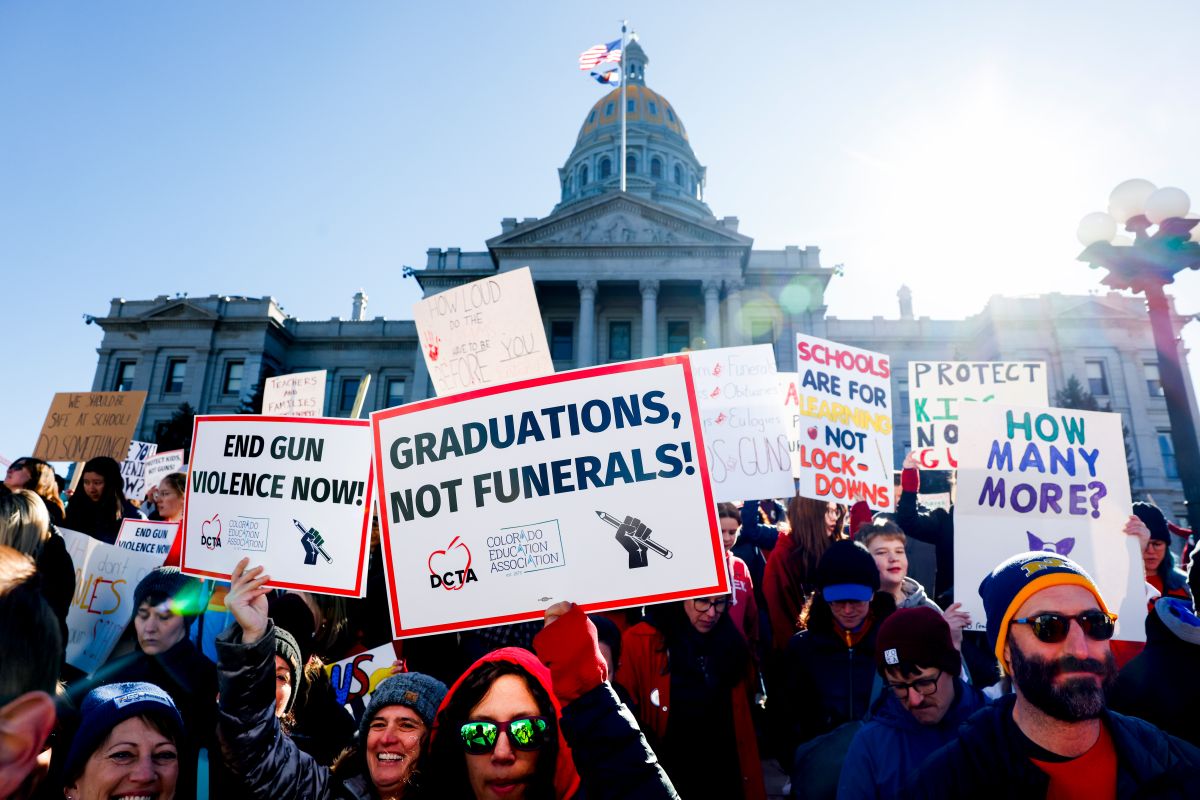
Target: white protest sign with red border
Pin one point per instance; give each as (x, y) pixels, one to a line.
(292, 493)
(145, 536)
(844, 403)
(589, 486)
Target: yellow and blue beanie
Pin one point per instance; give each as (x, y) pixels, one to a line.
(1014, 581)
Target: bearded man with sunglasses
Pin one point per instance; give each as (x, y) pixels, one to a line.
(1054, 737)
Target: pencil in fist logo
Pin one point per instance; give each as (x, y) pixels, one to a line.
(210, 532)
(451, 568)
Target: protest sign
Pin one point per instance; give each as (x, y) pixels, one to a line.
(746, 426)
(133, 468)
(145, 536)
(161, 465)
(937, 389)
(105, 577)
(483, 333)
(301, 394)
(83, 425)
(590, 486)
(293, 494)
(354, 678)
(1049, 479)
(844, 401)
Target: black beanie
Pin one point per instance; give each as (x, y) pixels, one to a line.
(1153, 518)
(845, 564)
(287, 649)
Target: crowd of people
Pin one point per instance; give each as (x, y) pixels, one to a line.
(827, 662)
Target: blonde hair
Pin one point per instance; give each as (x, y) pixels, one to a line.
(24, 523)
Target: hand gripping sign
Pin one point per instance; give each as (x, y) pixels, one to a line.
(590, 485)
(292, 493)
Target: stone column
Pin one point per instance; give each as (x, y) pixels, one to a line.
(649, 317)
(712, 312)
(587, 323)
(733, 308)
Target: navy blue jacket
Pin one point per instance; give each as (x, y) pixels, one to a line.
(891, 745)
(988, 760)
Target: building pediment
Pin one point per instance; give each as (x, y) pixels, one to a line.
(1099, 308)
(618, 221)
(180, 310)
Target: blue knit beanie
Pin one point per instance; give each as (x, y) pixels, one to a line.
(414, 690)
(106, 707)
(1014, 581)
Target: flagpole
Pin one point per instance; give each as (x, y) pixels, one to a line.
(624, 24)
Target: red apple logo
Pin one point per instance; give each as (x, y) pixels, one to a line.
(210, 532)
(451, 568)
(812, 433)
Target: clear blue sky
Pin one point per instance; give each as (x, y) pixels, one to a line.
(307, 149)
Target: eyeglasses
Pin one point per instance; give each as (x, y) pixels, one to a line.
(924, 686)
(524, 733)
(703, 604)
(1053, 628)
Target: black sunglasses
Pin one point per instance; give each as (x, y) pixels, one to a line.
(524, 733)
(1053, 628)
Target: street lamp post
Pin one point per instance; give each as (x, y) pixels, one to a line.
(1164, 243)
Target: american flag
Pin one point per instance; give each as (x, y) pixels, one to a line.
(600, 53)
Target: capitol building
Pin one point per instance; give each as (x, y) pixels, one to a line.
(628, 274)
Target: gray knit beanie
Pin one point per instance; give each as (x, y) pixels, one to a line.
(415, 690)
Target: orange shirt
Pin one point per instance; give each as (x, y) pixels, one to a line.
(1091, 776)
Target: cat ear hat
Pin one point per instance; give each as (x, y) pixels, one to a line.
(1014, 581)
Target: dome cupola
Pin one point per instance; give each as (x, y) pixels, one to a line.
(660, 164)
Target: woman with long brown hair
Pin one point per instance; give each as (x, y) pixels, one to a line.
(38, 477)
(791, 570)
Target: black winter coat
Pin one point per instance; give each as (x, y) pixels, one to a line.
(826, 682)
(935, 527)
(1160, 685)
(267, 762)
(988, 760)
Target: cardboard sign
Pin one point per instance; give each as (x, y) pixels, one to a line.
(844, 401)
(133, 468)
(1049, 479)
(84, 425)
(590, 486)
(937, 389)
(745, 428)
(292, 494)
(483, 333)
(144, 536)
(301, 394)
(105, 577)
(354, 678)
(162, 465)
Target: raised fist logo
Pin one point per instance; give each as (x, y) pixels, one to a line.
(633, 535)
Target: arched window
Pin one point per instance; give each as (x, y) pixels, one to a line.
(653, 108)
(605, 167)
(656, 168)
(592, 117)
(678, 175)
(608, 109)
(583, 176)
(630, 164)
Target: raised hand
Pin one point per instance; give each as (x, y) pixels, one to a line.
(957, 619)
(910, 460)
(1135, 527)
(632, 535)
(247, 600)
